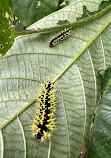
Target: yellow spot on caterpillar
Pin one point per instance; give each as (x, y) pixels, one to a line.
(51, 114)
(45, 134)
(48, 134)
(43, 122)
(42, 139)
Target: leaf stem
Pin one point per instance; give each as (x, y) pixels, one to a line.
(79, 54)
(51, 29)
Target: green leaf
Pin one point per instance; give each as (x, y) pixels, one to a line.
(44, 26)
(66, 3)
(70, 16)
(62, 22)
(18, 26)
(28, 63)
(100, 145)
(29, 11)
(6, 31)
(86, 13)
(6, 34)
(4, 7)
(105, 79)
(70, 1)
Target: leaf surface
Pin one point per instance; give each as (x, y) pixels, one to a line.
(27, 64)
(101, 137)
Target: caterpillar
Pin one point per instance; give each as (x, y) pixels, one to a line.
(43, 122)
(60, 36)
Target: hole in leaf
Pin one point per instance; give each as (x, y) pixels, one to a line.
(1, 46)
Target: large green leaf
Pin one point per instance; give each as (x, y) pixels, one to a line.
(27, 64)
(29, 11)
(6, 31)
(100, 145)
(72, 15)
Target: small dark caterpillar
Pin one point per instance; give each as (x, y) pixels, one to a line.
(61, 36)
(43, 122)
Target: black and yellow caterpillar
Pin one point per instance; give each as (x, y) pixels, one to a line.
(43, 122)
(60, 36)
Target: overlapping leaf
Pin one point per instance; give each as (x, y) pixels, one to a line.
(6, 31)
(101, 137)
(29, 11)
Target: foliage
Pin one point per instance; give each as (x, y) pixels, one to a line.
(28, 63)
(100, 145)
(6, 31)
(29, 11)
